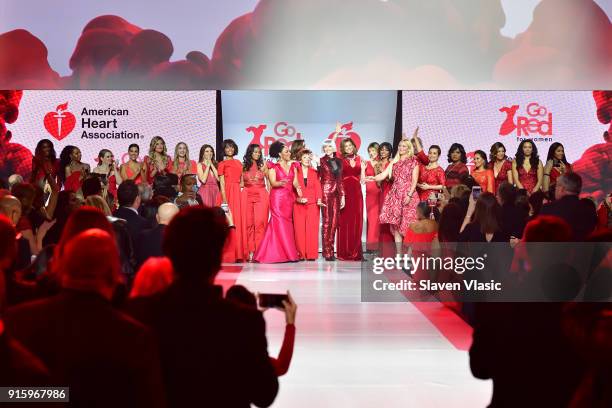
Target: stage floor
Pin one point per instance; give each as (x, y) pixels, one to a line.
(353, 354)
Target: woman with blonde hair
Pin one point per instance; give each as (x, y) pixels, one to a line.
(181, 164)
(399, 208)
(157, 162)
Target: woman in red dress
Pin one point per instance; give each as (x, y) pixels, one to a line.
(44, 163)
(372, 200)
(556, 166)
(230, 179)
(432, 178)
(108, 168)
(457, 168)
(481, 173)
(157, 162)
(181, 164)
(209, 177)
(306, 208)
(385, 236)
(500, 165)
(255, 199)
(350, 222)
(132, 169)
(399, 209)
(73, 171)
(527, 169)
(330, 175)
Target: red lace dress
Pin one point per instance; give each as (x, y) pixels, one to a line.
(433, 177)
(502, 175)
(528, 179)
(394, 211)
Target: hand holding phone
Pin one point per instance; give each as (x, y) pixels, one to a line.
(476, 190)
(275, 300)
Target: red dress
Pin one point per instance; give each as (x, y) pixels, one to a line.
(555, 173)
(502, 175)
(373, 194)
(350, 222)
(73, 181)
(231, 170)
(330, 175)
(256, 203)
(528, 179)
(484, 178)
(454, 173)
(209, 191)
(394, 211)
(130, 173)
(433, 177)
(306, 216)
(193, 168)
(52, 168)
(150, 165)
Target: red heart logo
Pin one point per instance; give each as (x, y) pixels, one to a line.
(346, 132)
(60, 123)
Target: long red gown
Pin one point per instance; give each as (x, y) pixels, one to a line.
(528, 179)
(209, 191)
(150, 165)
(373, 193)
(502, 175)
(433, 177)
(454, 173)
(256, 204)
(350, 222)
(231, 170)
(306, 216)
(278, 243)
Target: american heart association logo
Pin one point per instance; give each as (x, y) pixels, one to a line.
(60, 123)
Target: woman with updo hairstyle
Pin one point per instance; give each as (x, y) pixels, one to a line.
(500, 165)
(431, 176)
(255, 199)
(481, 173)
(108, 168)
(278, 243)
(72, 170)
(457, 168)
(306, 208)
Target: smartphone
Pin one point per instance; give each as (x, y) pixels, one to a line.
(476, 190)
(556, 163)
(272, 300)
(225, 207)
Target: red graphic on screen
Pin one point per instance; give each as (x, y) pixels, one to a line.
(283, 132)
(60, 123)
(14, 158)
(537, 121)
(346, 131)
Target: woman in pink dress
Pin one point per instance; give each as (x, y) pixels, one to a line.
(432, 178)
(132, 169)
(255, 200)
(181, 164)
(372, 200)
(481, 173)
(209, 178)
(500, 165)
(527, 169)
(278, 243)
(399, 209)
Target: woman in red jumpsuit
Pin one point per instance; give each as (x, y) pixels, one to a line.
(306, 208)
(330, 175)
(255, 200)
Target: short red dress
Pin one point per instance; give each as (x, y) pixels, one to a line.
(434, 177)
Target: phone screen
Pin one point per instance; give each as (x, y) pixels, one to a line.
(271, 300)
(476, 190)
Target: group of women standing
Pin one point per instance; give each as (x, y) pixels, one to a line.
(275, 207)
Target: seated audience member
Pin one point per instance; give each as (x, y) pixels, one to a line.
(67, 202)
(14, 179)
(25, 193)
(568, 207)
(188, 196)
(166, 185)
(482, 222)
(91, 186)
(11, 208)
(450, 223)
(424, 229)
(240, 294)
(18, 367)
(536, 201)
(145, 191)
(129, 201)
(154, 276)
(85, 343)
(149, 210)
(149, 242)
(206, 340)
(513, 219)
(520, 346)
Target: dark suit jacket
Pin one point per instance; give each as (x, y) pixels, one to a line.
(135, 223)
(577, 215)
(213, 351)
(149, 244)
(104, 356)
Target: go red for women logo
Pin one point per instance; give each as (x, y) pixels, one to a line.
(60, 123)
(536, 121)
(283, 132)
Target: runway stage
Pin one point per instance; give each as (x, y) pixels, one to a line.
(353, 354)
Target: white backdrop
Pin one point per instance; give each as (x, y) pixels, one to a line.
(474, 119)
(266, 116)
(176, 116)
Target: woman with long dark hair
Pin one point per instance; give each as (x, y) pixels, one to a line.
(482, 222)
(556, 166)
(72, 170)
(372, 201)
(500, 164)
(527, 169)
(230, 179)
(350, 221)
(457, 168)
(385, 153)
(481, 173)
(209, 178)
(431, 176)
(278, 243)
(157, 162)
(255, 199)
(330, 175)
(44, 163)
